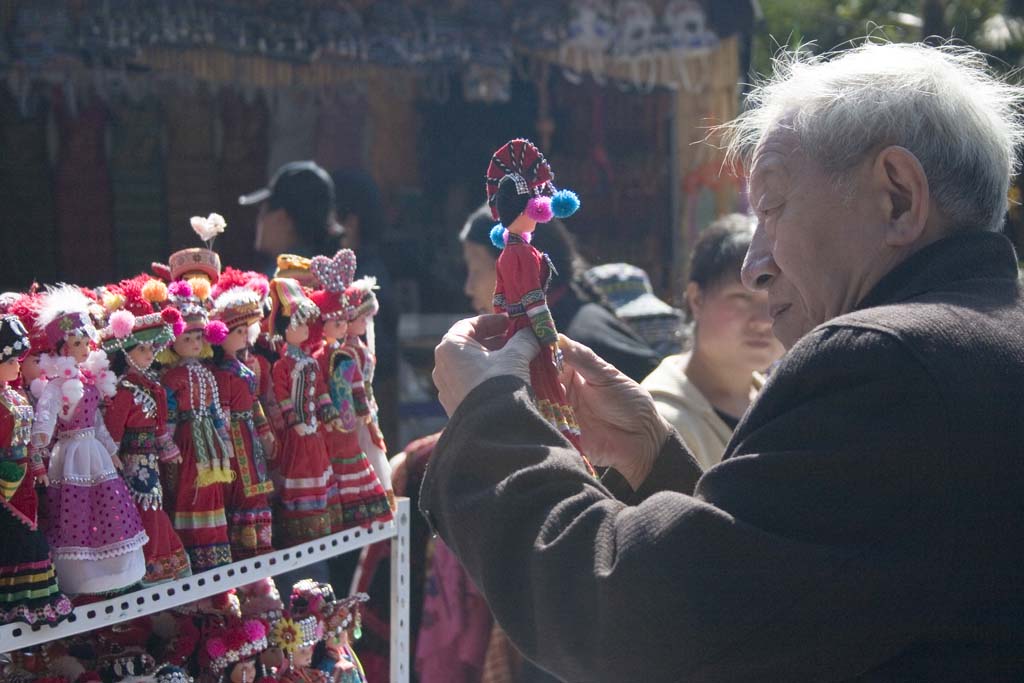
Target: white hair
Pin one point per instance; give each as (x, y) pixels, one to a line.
(942, 104)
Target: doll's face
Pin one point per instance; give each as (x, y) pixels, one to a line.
(189, 344)
(303, 656)
(357, 327)
(237, 339)
(335, 328)
(76, 346)
(141, 356)
(30, 369)
(244, 672)
(296, 334)
(9, 370)
(272, 657)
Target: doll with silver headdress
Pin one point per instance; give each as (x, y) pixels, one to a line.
(521, 194)
(307, 494)
(297, 638)
(28, 581)
(200, 429)
(236, 315)
(95, 532)
(362, 497)
(339, 620)
(136, 416)
(363, 306)
(231, 650)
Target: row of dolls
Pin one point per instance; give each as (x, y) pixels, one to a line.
(241, 636)
(151, 474)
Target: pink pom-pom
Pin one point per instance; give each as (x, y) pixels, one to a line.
(258, 285)
(121, 323)
(215, 332)
(539, 209)
(254, 630)
(171, 316)
(216, 648)
(180, 289)
(178, 327)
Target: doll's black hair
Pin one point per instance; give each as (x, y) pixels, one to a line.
(508, 202)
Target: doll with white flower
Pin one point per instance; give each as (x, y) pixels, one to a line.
(95, 532)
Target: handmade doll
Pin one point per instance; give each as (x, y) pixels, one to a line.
(137, 415)
(33, 379)
(337, 619)
(28, 581)
(521, 193)
(95, 532)
(297, 638)
(363, 307)
(308, 480)
(200, 432)
(235, 323)
(362, 497)
(172, 674)
(231, 650)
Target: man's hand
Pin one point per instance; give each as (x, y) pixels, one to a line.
(473, 350)
(619, 425)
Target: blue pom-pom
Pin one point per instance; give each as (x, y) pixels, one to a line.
(565, 203)
(498, 236)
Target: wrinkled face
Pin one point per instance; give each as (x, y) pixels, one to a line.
(296, 334)
(481, 273)
(336, 328)
(733, 326)
(816, 240)
(9, 370)
(76, 346)
(357, 327)
(141, 356)
(30, 369)
(189, 344)
(237, 339)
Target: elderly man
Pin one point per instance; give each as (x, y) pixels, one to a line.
(866, 522)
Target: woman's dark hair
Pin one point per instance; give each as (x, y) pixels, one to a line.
(118, 362)
(719, 252)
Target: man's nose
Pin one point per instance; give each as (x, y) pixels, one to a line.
(759, 267)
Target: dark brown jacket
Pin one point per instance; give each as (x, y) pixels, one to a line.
(867, 523)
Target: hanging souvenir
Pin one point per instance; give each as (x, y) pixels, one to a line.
(521, 194)
(362, 497)
(95, 532)
(137, 415)
(28, 582)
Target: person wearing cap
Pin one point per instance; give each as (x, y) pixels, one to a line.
(296, 213)
(704, 391)
(575, 306)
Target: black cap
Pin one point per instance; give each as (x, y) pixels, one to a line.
(303, 189)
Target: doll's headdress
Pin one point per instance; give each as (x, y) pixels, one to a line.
(261, 600)
(26, 307)
(64, 312)
(188, 297)
(237, 306)
(172, 674)
(333, 277)
(288, 298)
(361, 297)
(520, 179)
(234, 641)
(291, 633)
(197, 261)
(138, 313)
(14, 341)
(295, 267)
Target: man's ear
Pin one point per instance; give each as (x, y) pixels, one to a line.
(905, 195)
(694, 300)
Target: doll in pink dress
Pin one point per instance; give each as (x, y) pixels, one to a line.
(521, 194)
(363, 499)
(95, 532)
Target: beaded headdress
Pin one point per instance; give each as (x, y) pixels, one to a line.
(291, 634)
(520, 179)
(333, 277)
(64, 312)
(14, 341)
(234, 642)
(133, 318)
(288, 298)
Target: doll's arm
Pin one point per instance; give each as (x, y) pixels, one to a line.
(325, 406)
(523, 285)
(103, 436)
(168, 450)
(116, 415)
(499, 303)
(359, 398)
(283, 392)
(341, 390)
(45, 420)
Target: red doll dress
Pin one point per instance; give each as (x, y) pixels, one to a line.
(363, 499)
(248, 505)
(523, 274)
(305, 509)
(15, 428)
(137, 421)
(200, 435)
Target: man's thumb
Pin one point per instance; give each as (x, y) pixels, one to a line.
(587, 364)
(521, 348)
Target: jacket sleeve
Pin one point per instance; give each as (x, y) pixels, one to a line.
(818, 550)
(282, 374)
(116, 415)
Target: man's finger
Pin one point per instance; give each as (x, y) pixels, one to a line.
(588, 364)
(479, 328)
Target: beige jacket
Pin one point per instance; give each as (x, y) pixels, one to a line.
(681, 403)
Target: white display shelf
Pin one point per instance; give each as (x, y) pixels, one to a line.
(172, 594)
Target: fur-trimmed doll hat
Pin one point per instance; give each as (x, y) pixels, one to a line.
(361, 298)
(520, 179)
(232, 642)
(189, 298)
(133, 316)
(14, 341)
(333, 277)
(26, 307)
(64, 312)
